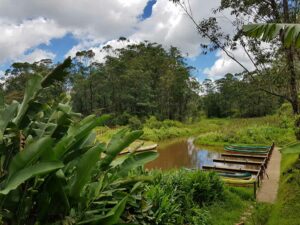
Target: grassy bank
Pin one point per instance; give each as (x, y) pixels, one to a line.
(193, 197)
(217, 132)
(263, 130)
(286, 210)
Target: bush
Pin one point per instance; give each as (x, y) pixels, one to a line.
(261, 214)
(177, 197)
(134, 123)
(153, 123)
(53, 171)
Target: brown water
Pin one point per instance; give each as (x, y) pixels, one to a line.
(183, 153)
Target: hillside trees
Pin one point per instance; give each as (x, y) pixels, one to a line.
(234, 97)
(140, 79)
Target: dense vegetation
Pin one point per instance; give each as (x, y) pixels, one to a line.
(61, 167)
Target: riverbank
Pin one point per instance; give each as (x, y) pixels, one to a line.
(215, 132)
(286, 209)
(262, 130)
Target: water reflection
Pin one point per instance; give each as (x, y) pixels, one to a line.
(185, 154)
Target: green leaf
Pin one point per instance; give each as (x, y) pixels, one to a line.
(58, 74)
(84, 168)
(77, 133)
(6, 115)
(111, 218)
(269, 31)
(135, 160)
(22, 175)
(29, 155)
(118, 142)
(32, 88)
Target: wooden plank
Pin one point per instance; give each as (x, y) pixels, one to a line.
(221, 168)
(238, 161)
(244, 156)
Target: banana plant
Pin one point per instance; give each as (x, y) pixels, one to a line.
(53, 170)
(289, 33)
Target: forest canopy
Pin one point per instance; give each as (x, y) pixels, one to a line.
(142, 80)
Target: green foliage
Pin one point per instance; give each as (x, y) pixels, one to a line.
(135, 123)
(289, 33)
(261, 214)
(53, 171)
(234, 97)
(138, 80)
(191, 197)
(264, 130)
(285, 211)
(177, 197)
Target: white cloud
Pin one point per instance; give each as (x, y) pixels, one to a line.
(2, 81)
(170, 26)
(100, 19)
(27, 24)
(225, 64)
(98, 49)
(36, 56)
(15, 39)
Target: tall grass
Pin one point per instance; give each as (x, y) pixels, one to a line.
(286, 209)
(263, 130)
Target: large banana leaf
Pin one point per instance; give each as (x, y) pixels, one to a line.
(77, 133)
(22, 175)
(118, 142)
(133, 161)
(111, 218)
(290, 33)
(58, 74)
(84, 168)
(32, 88)
(7, 113)
(29, 155)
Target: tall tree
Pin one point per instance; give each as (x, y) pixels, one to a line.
(271, 11)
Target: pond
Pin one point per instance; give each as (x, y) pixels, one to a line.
(184, 154)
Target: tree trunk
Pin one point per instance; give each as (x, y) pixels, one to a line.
(289, 53)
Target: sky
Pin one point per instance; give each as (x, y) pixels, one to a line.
(32, 30)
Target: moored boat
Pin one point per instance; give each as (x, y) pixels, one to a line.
(246, 151)
(249, 147)
(243, 176)
(239, 181)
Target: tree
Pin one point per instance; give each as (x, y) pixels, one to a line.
(141, 80)
(20, 72)
(259, 12)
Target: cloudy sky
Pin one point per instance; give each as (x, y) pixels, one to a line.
(35, 29)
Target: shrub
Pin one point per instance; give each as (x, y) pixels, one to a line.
(153, 123)
(53, 171)
(134, 123)
(176, 197)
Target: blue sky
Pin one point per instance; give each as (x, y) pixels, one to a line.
(41, 30)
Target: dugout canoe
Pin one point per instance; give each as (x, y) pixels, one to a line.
(243, 176)
(249, 147)
(239, 181)
(235, 150)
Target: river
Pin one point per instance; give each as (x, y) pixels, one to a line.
(184, 154)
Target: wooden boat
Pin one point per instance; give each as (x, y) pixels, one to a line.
(140, 149)
(239, 181)
(146, 148)
(250, 147)
(246, 151)
(243, 176)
